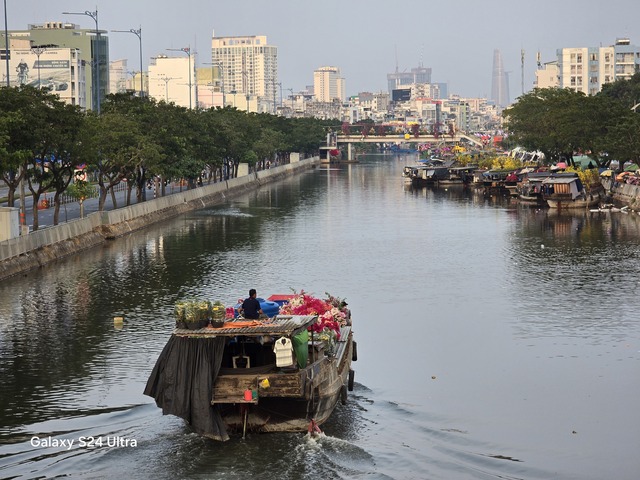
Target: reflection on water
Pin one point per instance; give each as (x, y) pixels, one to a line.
(494, 341)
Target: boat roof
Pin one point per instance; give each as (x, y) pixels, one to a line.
(539, 175)
(279, 325)
(468, 167)
(569, 178)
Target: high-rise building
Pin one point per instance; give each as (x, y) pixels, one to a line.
(417, 75)
(249, 66)
(500, 82)
(328, 85)
(118, 76)
(92, 51)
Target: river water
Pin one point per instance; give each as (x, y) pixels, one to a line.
(494, 341)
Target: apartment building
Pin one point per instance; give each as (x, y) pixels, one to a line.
(172, 79)
(63, 49)
(328, 85)
(249, 69)
(586, 69)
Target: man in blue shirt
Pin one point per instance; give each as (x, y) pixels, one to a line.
(251, 307)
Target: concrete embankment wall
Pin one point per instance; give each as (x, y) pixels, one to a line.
(627, 194)
(38, 248)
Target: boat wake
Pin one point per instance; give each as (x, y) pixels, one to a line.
(67, 446)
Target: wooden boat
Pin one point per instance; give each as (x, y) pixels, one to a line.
(409, 172)
(565, 190)
(494, 181)
(458, 176)
(529, 191)
(431, 172)
(233, 379)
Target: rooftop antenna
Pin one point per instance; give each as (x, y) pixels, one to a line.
(522, 69)
(396, 58)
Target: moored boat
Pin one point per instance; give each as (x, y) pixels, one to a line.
(529, 190)
(279, 374)
(431, 172)
(409, 172)
(494, 181)
(565, 190)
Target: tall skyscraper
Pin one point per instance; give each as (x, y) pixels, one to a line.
(500, 82)
(249, 65)
(328, 84)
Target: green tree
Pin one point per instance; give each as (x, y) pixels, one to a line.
(551, 120)
(18, 112)
(622, 141)
(118, 148)
(80, 190)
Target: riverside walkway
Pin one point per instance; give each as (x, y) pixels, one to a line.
(36, 248)
(71, 210)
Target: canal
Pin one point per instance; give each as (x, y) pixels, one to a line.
(494, 341)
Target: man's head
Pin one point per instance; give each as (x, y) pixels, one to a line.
(252, 292)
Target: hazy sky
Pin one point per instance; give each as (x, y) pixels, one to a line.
(366, 39)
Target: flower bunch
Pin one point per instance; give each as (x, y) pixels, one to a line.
(332, 312)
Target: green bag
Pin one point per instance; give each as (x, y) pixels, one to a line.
(301, 347)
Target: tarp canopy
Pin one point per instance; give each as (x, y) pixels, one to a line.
(182, 382)
(584, 162)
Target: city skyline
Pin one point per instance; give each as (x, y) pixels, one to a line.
(365, 39)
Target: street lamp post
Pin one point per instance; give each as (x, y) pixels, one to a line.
(291, 90)
(274, 84)
(137, 33)
(94, 16)
(38, 51)
(186, 50)
(6, 41)
(219, 65)
(166, 81)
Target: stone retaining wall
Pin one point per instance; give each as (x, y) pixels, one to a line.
(627, 194)
(48, 244)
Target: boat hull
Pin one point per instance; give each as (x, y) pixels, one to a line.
(292, 400)
(586, 200)
(283, 414)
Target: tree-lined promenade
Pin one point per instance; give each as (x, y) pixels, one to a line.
(561, 122)
(44, 142)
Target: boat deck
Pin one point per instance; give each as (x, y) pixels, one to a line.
(277, 326)
(290, 382)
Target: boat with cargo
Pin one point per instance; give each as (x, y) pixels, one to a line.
(285, 373)
(529, 190)
(566, 190)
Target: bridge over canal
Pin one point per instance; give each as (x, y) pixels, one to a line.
(454, 139)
